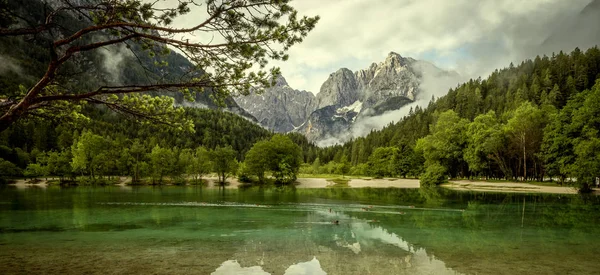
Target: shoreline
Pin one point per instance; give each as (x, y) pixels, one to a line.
(508, 187)
(304, 183)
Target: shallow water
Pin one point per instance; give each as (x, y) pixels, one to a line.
(190, 230)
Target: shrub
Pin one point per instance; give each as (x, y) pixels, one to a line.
(434, 174)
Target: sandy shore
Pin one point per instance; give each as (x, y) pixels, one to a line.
(460, 185)
(358, 183)
(508, 187)
(22, 184)
(384, 183)
(313, 183)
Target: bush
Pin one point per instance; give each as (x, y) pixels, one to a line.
(244, 173)
(359, 170)
(244, 178)
(434, 174)
(90, 181)
(201, 182)
(179, 180)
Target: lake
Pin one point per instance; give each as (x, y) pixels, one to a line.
(194, 230)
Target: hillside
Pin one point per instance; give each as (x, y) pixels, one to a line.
(27, 58)
(476, 129)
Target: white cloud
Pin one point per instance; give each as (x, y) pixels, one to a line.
(471, 37)
(356, 33)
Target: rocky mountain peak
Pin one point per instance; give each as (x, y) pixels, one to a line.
(396, 61)
(280, 81)
(280, 107)
(339, 89)
(394, 56)
(346, 98)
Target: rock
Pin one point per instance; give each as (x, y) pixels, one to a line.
(279, 108)
(326, 122)
(340, 89)
(345, 98)
(377, 89)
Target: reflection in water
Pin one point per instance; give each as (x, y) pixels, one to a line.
(175, 230)
(312, 267)
(233, 267)
(369, 242)
(365, 234)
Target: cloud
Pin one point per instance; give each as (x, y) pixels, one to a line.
(433, 84)
(471, 37)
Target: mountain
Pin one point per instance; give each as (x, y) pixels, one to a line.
(279, 108)
(340, 89)
(346, 98)
(553, 100)
(26, 60)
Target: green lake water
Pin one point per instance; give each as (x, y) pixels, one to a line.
(191, 230)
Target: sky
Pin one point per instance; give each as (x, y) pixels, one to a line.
(470, 37)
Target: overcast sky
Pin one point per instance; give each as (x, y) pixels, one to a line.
(472, 37)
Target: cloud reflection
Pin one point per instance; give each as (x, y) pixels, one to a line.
(312, 267)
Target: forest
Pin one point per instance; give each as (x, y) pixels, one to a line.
(533, 122)
(536, 121)
(94, 151)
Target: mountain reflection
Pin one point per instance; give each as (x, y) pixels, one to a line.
(371, 244)
(366, 234)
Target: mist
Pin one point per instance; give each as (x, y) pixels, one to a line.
(113, 56)
(433, 84)
(8, 65)
(518, 37)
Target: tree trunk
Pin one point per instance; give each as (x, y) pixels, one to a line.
(135, 172)
(524, 164)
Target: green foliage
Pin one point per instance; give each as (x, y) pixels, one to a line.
(35, 170)
(90, 155)
(485, 144)
(162, 163)
(257, 159)
(279, 155)
(8, 169)
(344, 166)
(71, 74)
(381, 162)
(244, 175)
(571, 141)
(224, 162)
(200, 164)
(316, 166)
(435, 174)
(519, 123)
(525, 129)
(359, 169)
(60, 164)
(446, 142)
